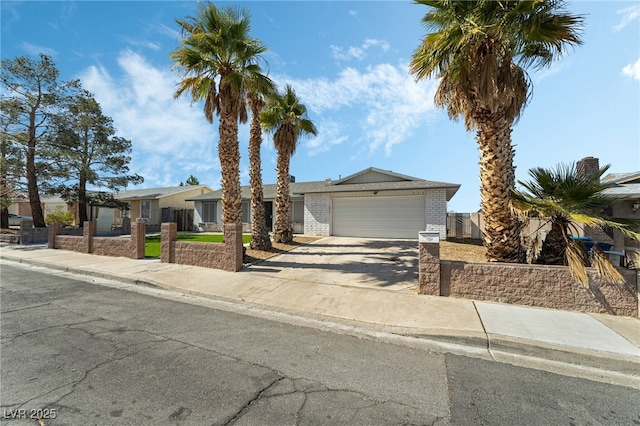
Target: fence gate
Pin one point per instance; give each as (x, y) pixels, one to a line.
(182, 217)
(459, 225)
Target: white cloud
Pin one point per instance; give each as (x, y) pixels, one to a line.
(632, 70)
(384, 102)
(629, 14)
(33, 49)
(328, 136)
(554, 69)
(345, 54)
(144, 43)
(171, 139)
(170, 32)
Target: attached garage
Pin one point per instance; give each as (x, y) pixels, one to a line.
(375, 203)
(379, 217)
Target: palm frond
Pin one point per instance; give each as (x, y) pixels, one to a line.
(576, 260)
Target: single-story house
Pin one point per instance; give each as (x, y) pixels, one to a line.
(625, 187)
(157, 205)
(371, 203)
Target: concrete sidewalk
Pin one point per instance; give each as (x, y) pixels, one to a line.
(598, 347)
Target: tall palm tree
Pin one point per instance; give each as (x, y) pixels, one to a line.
(286, 117)
(215, 57)
(479, 50)
(259, 233)
(566, 198)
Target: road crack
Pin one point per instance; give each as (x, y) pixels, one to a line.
(256, 397)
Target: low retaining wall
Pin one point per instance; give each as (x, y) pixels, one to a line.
(31, 235)
(533, 285)
(132, 247)
(227, 256)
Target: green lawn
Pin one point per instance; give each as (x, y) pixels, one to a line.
(152, 242)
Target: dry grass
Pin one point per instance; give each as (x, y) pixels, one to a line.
(464, 249)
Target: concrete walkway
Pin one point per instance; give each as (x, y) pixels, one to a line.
(598, 347)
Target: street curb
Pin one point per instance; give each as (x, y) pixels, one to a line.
(590, 364)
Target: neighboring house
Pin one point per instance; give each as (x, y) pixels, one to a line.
(20, 205)
(371, 203)
(52, 203)
(158, 205)
(626, 188)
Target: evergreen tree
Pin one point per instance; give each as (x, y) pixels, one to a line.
(87, 152)
(31, 99)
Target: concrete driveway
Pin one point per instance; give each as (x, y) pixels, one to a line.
(360, 262)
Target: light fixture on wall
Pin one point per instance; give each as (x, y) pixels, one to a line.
(635, 206)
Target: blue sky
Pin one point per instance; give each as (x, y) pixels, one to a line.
(347, 60)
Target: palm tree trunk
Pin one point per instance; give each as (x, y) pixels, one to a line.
(282, 230)
(259, 235)
(497, 180)
(554, 247)
(229, 154)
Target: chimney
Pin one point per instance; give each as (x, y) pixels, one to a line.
(292, 178)
(588, 166)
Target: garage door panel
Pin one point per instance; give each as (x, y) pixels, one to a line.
(379, 217)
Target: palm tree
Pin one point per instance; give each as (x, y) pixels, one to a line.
(215, 57)
(565, 198)
(286, 118)
(479, 50)
(259, 233)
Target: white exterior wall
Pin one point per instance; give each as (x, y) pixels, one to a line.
(317, 214)
(436, 212)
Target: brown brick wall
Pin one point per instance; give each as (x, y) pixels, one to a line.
(132, 247)
(542, 286)
(68, 242)
(227, 256)
(429, 269)
(532, 285)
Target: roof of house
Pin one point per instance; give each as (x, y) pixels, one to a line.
(630, 177)
(622, 185)
(627, 190)
(156, 193)
(350, 183)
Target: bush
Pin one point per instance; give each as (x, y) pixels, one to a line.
(65, 218)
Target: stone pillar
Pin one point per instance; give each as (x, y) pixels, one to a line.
(88, 232)
(234, 250)
(54, 229)
(26, 231)
(138, 234)
(126, 225)
(429, 263)
(168, 235)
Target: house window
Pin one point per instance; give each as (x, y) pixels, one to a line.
(298, 212)
(209, 212)
(246, 208)
(124, 211)
(145, 209)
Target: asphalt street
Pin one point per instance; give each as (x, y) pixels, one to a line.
(76, 352)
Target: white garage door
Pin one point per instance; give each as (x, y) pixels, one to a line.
(379, 217)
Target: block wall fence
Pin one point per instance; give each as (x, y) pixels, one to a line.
(544, 286)
(227, 256)
(132, 247)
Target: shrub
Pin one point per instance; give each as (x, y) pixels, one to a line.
(65, 218)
